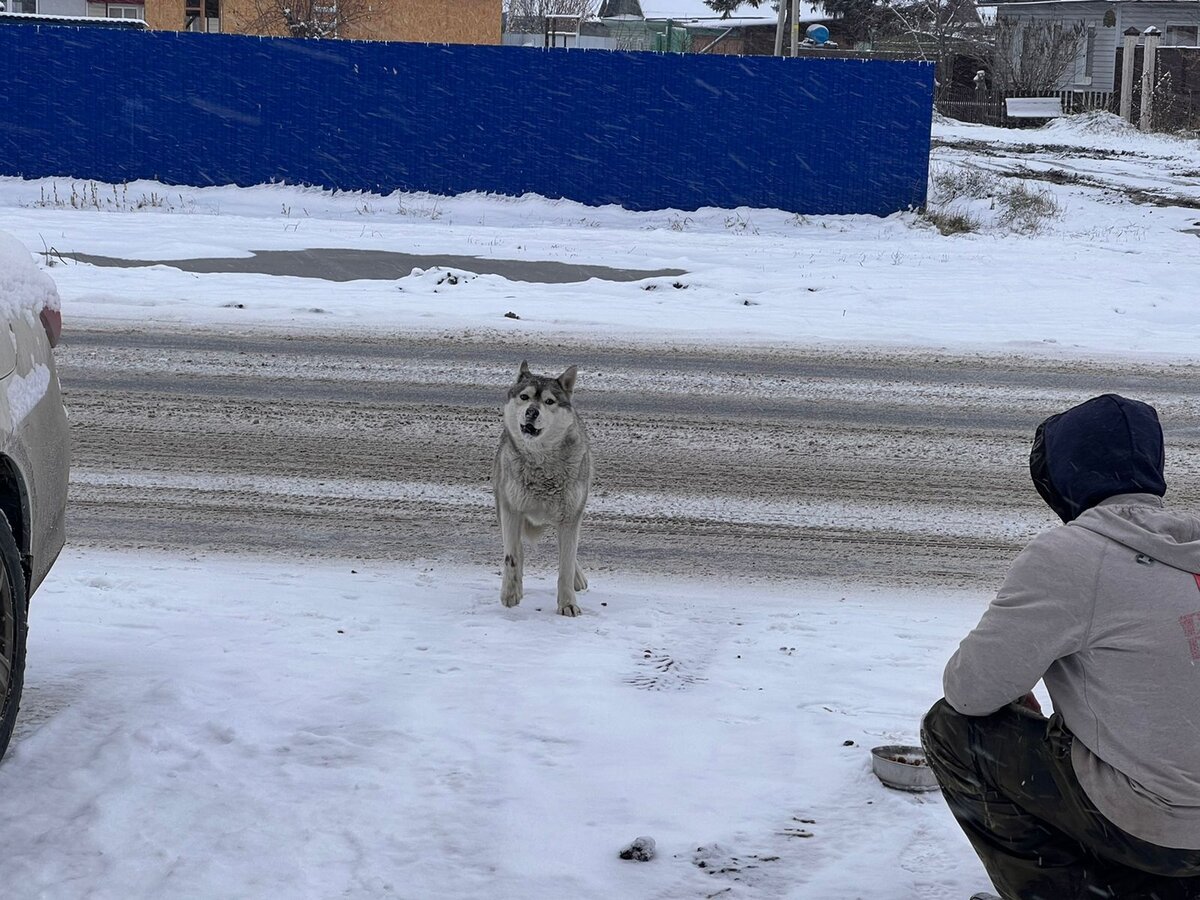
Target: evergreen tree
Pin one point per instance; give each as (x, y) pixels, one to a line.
(728, 7)
(857, 20)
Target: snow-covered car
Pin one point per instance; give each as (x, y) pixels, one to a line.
(34, 457)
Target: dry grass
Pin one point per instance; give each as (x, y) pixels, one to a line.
(1019, 208)
(952, 221)
(1026, 211)
(950, 184)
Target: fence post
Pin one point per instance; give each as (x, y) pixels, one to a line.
(779, 30)
(795, 27)
(1151, 51)
(1127, 55)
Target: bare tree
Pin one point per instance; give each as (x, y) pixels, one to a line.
(937, 30)
(305, 18)
(1033, 56)
(529, 16)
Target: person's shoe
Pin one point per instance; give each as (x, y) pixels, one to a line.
(984, 896)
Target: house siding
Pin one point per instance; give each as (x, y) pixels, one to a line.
(1092, 15)
(165, 15)
(62, 7)
(1140, 14)
(423, 21)
(1160, 15)
(434, 21)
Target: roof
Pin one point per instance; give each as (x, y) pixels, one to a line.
(623, 9)
(11, 18)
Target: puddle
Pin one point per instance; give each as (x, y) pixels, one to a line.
(383, 265)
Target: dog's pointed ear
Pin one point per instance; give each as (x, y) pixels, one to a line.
(524, 371)
(567, 379)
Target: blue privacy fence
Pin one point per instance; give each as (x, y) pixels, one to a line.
(642, 130)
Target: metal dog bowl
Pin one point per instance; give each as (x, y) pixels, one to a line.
(903, 768)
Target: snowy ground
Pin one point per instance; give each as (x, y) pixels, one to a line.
(205, 728)
(225, 727)
(1103, 273)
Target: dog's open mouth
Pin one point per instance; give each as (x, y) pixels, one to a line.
(530, 430)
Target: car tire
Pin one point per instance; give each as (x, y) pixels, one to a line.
(13, 631)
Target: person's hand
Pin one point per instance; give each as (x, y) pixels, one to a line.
(1030, 702)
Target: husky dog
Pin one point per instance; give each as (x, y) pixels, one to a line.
(541, 476)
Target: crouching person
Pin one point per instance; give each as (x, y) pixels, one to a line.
(1102, 799)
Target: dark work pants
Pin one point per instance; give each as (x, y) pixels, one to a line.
(1009, 781)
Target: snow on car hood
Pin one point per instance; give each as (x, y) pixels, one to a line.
(23, 286)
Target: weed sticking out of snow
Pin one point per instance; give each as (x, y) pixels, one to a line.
(94, 195)
(1025, 210)
(739, 225)
(953, 222)
(966, 198)
(950, 183)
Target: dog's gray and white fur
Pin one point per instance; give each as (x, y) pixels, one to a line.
(541, 477)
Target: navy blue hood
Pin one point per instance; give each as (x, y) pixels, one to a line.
(1106, 446)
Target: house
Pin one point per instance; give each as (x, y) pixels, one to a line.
(430, 21)
(683, 26)
(60, 12)
(569, 31)
(17, 18)
(1103, 24)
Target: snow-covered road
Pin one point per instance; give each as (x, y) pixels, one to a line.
(738, 463)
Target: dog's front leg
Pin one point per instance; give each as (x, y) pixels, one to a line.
(568, 546)
(511, 587)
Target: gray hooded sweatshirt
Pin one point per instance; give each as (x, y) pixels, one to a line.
(1106, 609)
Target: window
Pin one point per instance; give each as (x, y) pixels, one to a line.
(1180, 35)
(22, 6)
(116, 10)
(1085, 56)
(202, 15)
